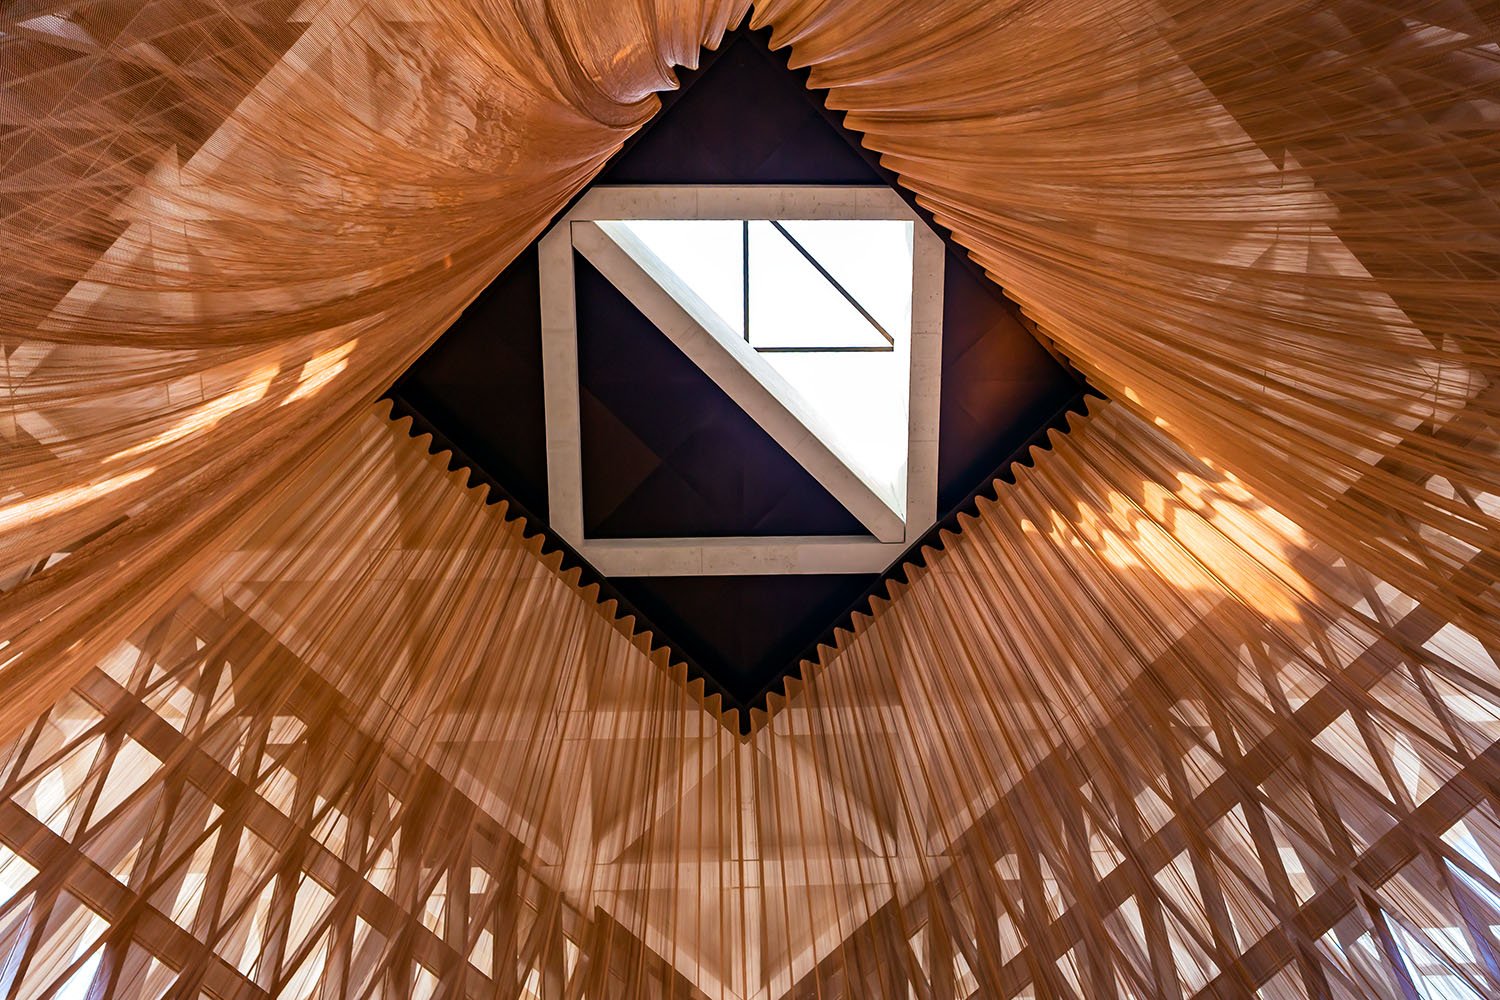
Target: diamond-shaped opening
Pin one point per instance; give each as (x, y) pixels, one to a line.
(746, 120)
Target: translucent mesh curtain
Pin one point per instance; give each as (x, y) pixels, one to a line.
(1154, 740)
(227, 227)
(346, 761)
(1204, 705)
(1272, 229)
(1131, 733)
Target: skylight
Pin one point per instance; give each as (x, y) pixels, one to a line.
(816, 310)
(828, 308)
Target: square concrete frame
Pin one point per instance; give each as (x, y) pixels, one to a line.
(694, 334)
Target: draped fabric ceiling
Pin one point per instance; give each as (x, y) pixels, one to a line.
(1205, 704)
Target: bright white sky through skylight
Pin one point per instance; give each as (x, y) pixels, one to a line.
(861, 397)
(792, 305)
(707, 254)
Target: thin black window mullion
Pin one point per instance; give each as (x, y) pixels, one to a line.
(883, 349)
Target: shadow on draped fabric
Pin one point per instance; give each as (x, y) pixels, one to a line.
(1205, 704)
(383, 717)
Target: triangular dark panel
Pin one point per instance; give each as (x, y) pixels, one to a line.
(743, 630)
(999, 384)
(480, 385)
(743, 118)
(666, 452)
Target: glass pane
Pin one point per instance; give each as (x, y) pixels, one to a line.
(870, 258)
(793, 305)
(707, 255)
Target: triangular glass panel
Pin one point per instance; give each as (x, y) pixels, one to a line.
(829, 284)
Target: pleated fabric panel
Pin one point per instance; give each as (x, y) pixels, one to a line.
(1130, 733)
(1205, 704)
